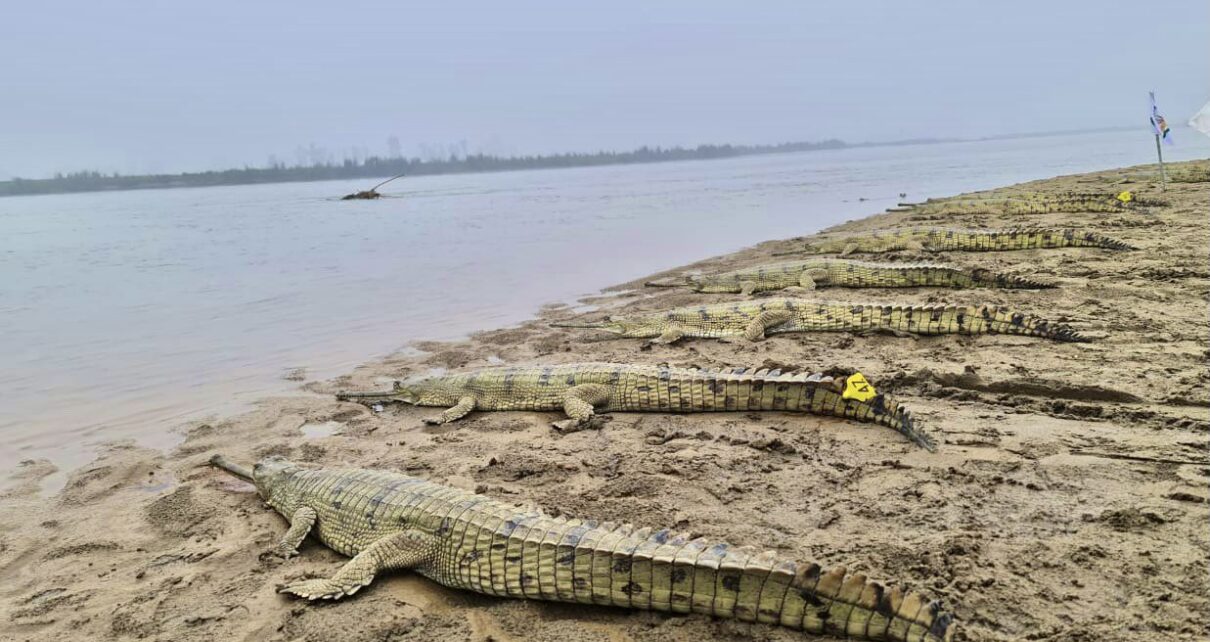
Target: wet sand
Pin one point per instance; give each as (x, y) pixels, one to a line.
(1067, 501)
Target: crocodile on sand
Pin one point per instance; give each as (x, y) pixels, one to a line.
(812, 273)
(386, 522)
(755, 319)
(580, 388)
(1034, 203)
(954, 240)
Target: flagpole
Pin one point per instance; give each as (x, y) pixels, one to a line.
(1160, 128)
(1159, 153)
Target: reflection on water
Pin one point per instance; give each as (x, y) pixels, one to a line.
(125, 314)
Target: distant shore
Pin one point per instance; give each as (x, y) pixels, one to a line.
(376, 167)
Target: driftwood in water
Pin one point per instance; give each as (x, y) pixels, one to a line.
(369, 194)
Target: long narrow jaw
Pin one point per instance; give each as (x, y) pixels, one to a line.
(242, 472)
(600, 325)
(397, 393)
(674, 282)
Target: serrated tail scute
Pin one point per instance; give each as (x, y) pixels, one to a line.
(1094, 239)
(900, 418)
(1008, 322)
(837, 603)
(881, 409)
(1007, 281)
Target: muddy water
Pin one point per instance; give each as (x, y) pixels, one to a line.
(124, 315)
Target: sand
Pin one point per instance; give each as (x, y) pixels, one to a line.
(1067, 502)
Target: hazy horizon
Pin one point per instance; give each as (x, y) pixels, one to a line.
(140, 88)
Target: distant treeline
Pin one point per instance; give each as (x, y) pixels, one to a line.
(379, 167)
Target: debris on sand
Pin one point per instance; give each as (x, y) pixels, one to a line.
(370, 194)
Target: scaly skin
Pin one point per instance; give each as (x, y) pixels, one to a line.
(580, 388)
(757, 318)
(946, 240)
(813, 273)
(387, 521)
(1034, 203)
(1190, 175)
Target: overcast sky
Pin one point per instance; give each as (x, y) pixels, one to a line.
(161, 86)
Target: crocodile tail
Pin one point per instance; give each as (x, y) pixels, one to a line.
(881, 409)
(894, 415)
(849, 605)
(1005, 321)
(1093, 239)
(990, 279)
(607, 564)
(1064, 237)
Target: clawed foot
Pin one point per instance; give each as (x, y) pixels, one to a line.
(281, 551)
(572, 425)
(319, 589)
(433, 421)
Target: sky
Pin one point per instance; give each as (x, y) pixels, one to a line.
(145, 86)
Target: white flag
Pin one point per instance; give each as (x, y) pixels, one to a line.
(1201, 120)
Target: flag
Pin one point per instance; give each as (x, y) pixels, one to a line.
(1158, 124)
(1201, 120)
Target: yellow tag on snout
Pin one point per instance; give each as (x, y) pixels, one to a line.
(1126, 196)
(856, 387)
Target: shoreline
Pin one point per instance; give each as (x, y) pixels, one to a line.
(1013, 521)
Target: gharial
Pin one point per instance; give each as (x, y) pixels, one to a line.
(954, 240)
(756, 318)
(387, 521)
(812, 273)
(580, 388)
(1032, 203)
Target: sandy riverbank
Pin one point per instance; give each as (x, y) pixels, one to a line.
(1054, 509)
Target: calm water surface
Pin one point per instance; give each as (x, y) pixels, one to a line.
(124, 315)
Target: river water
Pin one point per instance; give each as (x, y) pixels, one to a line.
(127, 314)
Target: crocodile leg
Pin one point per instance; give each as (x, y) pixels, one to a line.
(671, 335)
(810, 278)
(765, 320)
(461, 409)
(406, 549)
(578, 404)
(848, 249)
(747, 288)
(300, 524)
